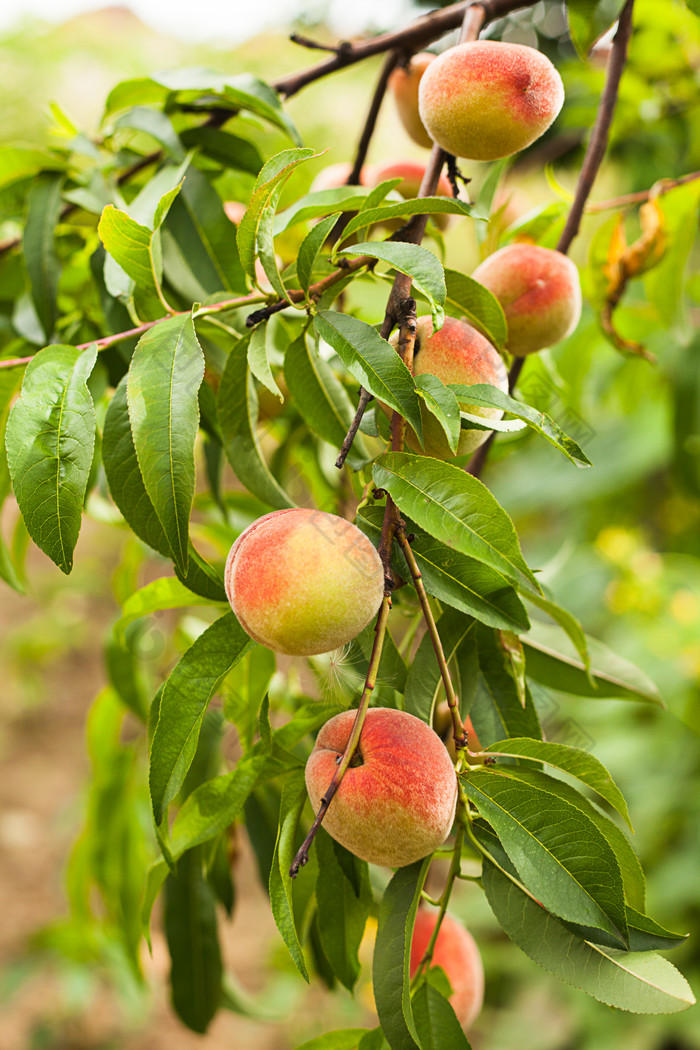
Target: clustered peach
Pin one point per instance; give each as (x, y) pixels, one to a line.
(456, 953)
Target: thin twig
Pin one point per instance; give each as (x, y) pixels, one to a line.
(598, 141)
(365, 398)
(302, 855)
(661, 187)
(458, 731)
(314, 45)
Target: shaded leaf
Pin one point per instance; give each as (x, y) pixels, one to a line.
(421, 265)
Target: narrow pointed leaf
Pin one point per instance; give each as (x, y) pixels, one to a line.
(560, 855)
(237, 406)
(372, 362)
(640, 982)
(421, 265)
(38, 245)
(165, 374)
(442, 404)
(258, 360)
(572, 760)
(436, 1021)
(184, 702)
(470, 299)
(392, 950)
(50, 440)
(455, 508)
(310, 248)
(294, 797)
(407, 208)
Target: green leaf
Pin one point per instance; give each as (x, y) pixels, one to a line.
(273, 175)
(293, 799)
(184, 702)
(559, 853)
(310, 248)
(564, 618)
(153, 123)
(372, 362)
(199, 245)
(258, 359)
(455, 579)
(9, 382)
(408, 207)
(424, 679)
(553, 661)
(320, 396)
(392, 952)
(421, 265)
(633, 880)
(191, 929)
(50, 441)
(485, 395)
(498, 710)
(237, 406)
(165, 374)
(230, 150)
(131, 245)
(166, 592)
(436, 1021)
(22, 162)
(646, 935)
(572, 760)
(640, 982)
(155, 877)
(344, 898)
(455, 508)
(588, 20)
(469, 299)
(441, 403)
(44, 204)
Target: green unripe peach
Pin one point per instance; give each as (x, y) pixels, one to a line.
(486, 99)
(540, 292)
(404, 83)
(457, 954)
(455, 354)
(303, 582)
(396, 802)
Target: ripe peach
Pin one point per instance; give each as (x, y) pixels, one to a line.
(404, 83)
(486, 99)
(396, 802)
(412, 172)
(455, 354)
(457, 954)
(443, 727)
(539, 290)
(303, 582)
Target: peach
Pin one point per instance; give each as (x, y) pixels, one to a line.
(404, 83)
(455, 354)
(303, 582)
(539, 290)
(457, 954)
(411, 172)
(443, 727)
(396, 802)
(336, 175)
(486, 99)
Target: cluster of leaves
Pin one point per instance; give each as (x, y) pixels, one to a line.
(156, 369)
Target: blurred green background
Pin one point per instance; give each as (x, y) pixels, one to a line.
(619, 545)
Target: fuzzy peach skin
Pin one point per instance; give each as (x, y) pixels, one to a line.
(398, 803)
(303, 582)
(457, 954)
(455, 354)
(486, 99)
(411, 172)
(539, 290)
(404, 83)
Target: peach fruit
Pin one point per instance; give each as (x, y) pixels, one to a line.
(539, 290)
(303, 582)
(486, 99)
(457, 954)
(404, 83)
(455, 354)
(411, 172)
(396, 802)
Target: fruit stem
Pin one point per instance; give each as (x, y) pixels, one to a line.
(302, 855)
(458, 731)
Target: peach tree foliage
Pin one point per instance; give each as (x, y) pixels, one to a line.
(171, 356)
